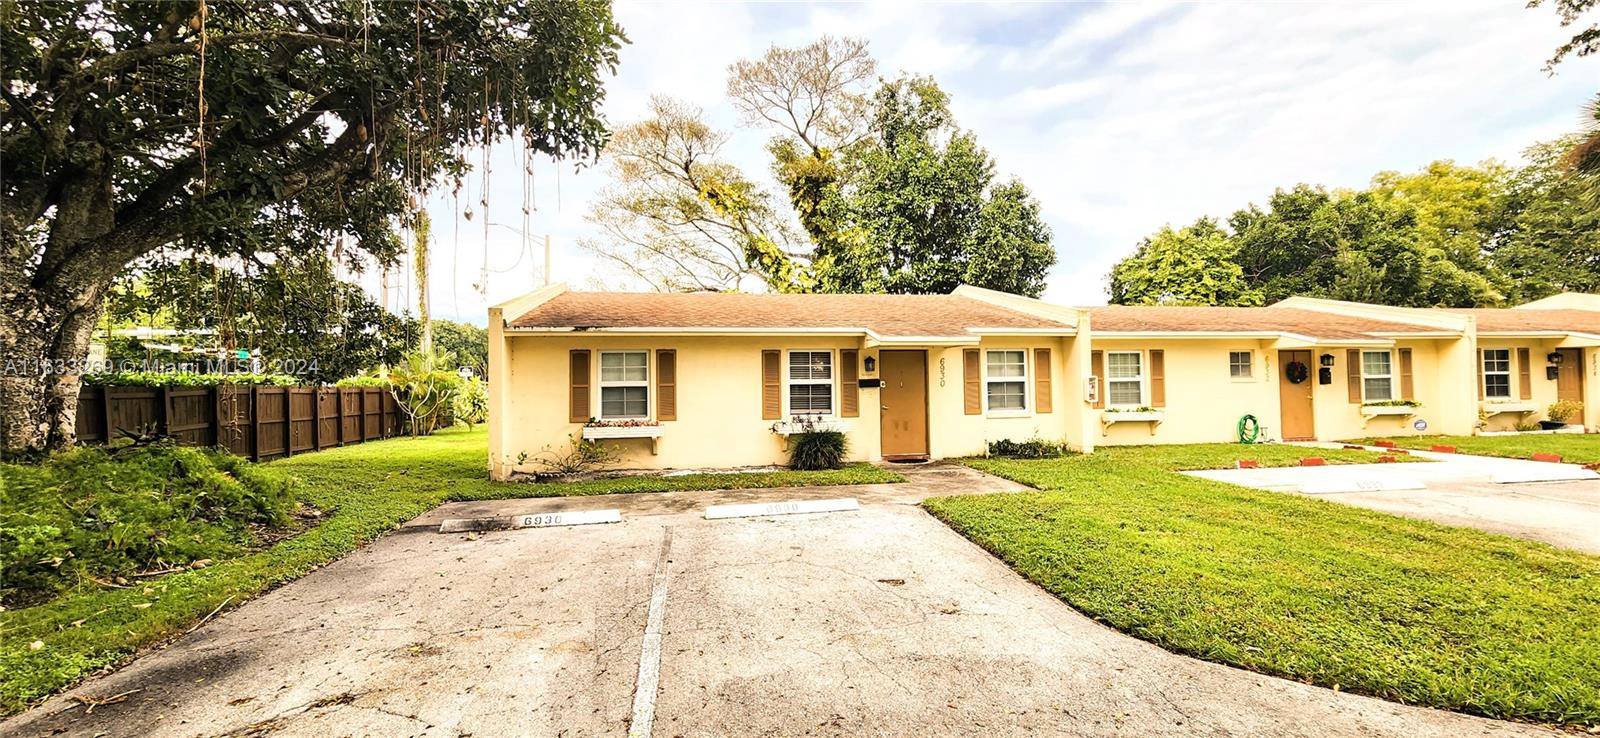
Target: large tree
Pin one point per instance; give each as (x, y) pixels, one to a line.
(681, 218)
(923, 211)
(1193, 265)
(1551, 241)
(1458, 209)
(1583, 43)
(242, 127)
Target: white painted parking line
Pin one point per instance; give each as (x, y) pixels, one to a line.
(764, 509)
(532, 520)
(649, 681)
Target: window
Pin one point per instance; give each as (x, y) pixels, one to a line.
(810, 382)
(624, 384)
(1377, 376)
(1006, 382)
(1497, 373)
(1125, 377)
(1239, 364)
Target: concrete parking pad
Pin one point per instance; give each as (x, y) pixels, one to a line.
(1560, 506)
(875, 622)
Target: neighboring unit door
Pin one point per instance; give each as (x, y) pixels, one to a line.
(1294, 400)
(904, 397)
(1569, 377)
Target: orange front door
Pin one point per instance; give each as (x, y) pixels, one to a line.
(1569, 378)
(904, 400)
(1294, 399)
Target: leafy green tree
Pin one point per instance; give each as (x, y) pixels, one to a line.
(1458, 209)
(241, 128)
(466, 344)
(928, 212)
(1583, 43)
(1552, 238)
(1194, 265)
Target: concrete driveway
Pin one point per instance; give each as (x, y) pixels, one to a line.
(1558, 504)
(881, 622)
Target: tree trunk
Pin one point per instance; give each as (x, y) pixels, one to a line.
(44, 345)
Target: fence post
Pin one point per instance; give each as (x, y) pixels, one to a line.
(105, 408)
(288, 421)
(255, 423)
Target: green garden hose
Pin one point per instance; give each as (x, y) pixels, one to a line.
(1249, 429)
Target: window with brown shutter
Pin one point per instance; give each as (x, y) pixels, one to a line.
(666, 384)
(1524, 377)
(1042, 389)
(1407, 390)
(1352, 373)
(849, 384)
(1097, 368)
(1158, 378)
(771, 384)
(971, 382)
(578, 405)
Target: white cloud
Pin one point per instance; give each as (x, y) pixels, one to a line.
(1119, 117)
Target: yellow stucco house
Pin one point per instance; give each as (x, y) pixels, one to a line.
(719, 380)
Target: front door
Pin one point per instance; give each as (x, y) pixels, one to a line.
(1294, 398)
(904, 397)
(1569, 377)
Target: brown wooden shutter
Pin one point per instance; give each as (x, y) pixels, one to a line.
(1407, 390)
(1479, 372)
(1158, 378)
(1524, 378)
(971, 382)
(1352, 373)
(666, 384)
(1042, 389)
(771, 384)
(578, 410)
(849, 384)
(1097, 367)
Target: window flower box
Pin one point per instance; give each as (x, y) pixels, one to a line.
(630, 429)
(785, 428)
(1519, 408)
(1136, 415)
(1393, 409)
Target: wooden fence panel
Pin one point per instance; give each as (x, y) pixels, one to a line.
(349, 415)
(235, 415)
(132, 410)
(192, 416)
(327, 411)
(272, 422)
(91, 414)
(371, 413)
(302, 419)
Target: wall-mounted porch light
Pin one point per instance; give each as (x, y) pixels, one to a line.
(1325, 360)
(1553, 357)
(870, 364)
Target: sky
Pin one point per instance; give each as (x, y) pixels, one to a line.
(1119, 117)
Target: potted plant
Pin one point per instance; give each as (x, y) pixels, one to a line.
(1560, 413)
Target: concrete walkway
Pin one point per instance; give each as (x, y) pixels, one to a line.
(1558, 504)
(881, 622)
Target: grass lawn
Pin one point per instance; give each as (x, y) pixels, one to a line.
(366, 490)
(1299, 587)
(1577, 448)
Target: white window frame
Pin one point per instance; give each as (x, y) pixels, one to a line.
(1143, 379)
(601, 384)
(1026, 379)
(1483, 367)
(1249, 366)
(1365, 376)
(832, 382)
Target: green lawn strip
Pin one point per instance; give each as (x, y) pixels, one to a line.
(1299, 587)
(365, 490)
(1575, 448)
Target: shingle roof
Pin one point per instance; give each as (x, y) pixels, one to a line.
(1506, 320)
(1182, 319)
(885, 315)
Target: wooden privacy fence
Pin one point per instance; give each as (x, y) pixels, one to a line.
(258, 421)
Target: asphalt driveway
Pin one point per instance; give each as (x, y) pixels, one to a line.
(877, 622)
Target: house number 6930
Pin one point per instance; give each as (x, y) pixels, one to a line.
(941, 371)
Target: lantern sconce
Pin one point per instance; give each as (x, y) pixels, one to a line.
(1325, 360)
(1554, 357)
(870, 364)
